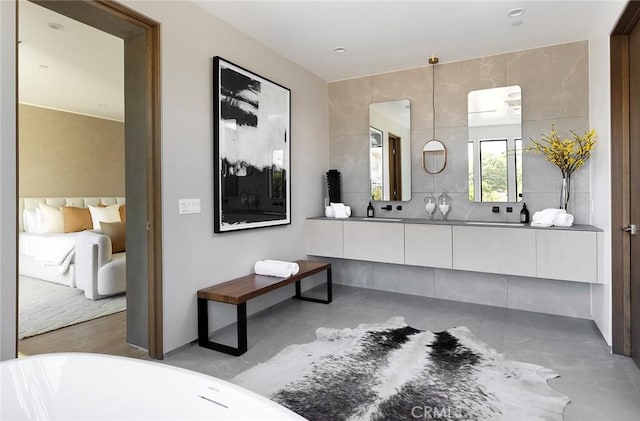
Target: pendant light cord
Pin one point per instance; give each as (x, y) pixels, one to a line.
(433, 60)
(433, 98)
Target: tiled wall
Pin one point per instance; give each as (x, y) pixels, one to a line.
(532, 294)
(555, 88)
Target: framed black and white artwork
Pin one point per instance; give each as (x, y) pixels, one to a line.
(252, 149)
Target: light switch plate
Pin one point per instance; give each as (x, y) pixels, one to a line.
(188, 206)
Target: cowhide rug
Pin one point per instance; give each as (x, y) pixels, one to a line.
(392, 371)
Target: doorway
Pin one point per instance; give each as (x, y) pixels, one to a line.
(625, 179)
(142, 160)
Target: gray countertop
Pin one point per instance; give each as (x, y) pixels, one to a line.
(492, 224)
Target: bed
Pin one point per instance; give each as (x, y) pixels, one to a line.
(54, 256)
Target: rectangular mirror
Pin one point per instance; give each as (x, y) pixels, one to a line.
(390, 150)
(495, 144)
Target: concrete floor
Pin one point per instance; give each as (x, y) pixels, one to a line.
(601, 386)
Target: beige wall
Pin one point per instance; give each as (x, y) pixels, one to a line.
(65, 154)
(193, 256)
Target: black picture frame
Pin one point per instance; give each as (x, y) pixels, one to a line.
(252, 149)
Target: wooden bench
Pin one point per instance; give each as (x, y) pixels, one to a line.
(239, 291)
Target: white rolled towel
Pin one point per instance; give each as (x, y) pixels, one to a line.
(563, 220)
(328, 212)
(277, 268)
(339, 210)
(545, 218)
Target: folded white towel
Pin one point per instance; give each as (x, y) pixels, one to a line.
(328, 212)
(563, 220)
(277, 268)
(545, 217)
(337, 210)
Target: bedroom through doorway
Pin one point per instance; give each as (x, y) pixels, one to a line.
(71, 172)
(82, 208)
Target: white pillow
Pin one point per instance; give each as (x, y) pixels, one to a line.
(49, 219)
(30, 221)
(107, 214)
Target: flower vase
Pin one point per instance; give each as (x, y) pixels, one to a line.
(565, 192)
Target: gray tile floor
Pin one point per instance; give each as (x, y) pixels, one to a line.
(601, 386)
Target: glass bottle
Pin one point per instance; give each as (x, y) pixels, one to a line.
(429, 205)
(444, 205)
(369, 210)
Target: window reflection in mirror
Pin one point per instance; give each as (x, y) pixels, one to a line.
(390, 150)
(495, 144)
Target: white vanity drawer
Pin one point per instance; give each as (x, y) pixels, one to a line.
(374, 241)
(324, 237)
(428, 245)
(509, 251)
(567, 255)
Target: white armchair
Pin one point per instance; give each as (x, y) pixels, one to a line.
(99, 272)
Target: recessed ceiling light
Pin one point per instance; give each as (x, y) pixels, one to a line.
(340, 50)
(514, 13)
(44, 66)
(102, 105)
(55, 25)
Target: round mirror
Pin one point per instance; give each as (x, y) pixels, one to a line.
(434, 157)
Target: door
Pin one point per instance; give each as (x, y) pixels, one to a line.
(625, 182)
(634, 192)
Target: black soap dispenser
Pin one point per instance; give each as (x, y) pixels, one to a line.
(369, 210)
(524, 214)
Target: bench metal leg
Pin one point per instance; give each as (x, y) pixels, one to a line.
(203, 330)
(299, 295)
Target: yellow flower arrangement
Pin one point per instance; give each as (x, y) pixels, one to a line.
(568, 154)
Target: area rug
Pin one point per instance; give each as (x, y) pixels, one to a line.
(46, 306)
(392, 371)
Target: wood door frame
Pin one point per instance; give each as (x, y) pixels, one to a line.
(123, 22)
(395, 167)
(620, 180)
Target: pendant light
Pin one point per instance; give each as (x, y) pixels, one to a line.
(434, 153)
(434, 157)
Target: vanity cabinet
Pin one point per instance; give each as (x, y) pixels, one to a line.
(567, 255)
(324, 237)
(495, 250)
(428, 245)
(374, 241)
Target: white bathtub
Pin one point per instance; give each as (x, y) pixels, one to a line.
(78, 386)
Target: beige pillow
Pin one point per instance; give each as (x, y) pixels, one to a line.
(76, 219)
(123, 213)
(116, 231)
(105, 214)
(50, 219)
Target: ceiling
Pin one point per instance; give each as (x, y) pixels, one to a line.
(80, 69)
(72, 68)
(385, 36)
